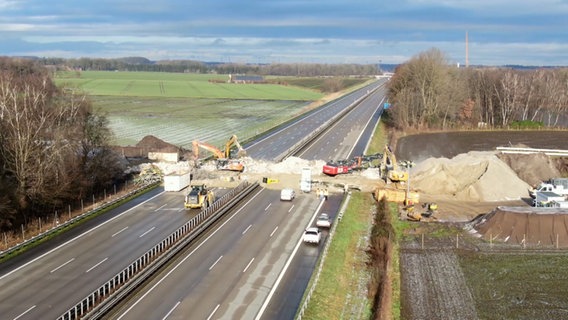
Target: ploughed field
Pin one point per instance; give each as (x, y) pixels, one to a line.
(449, 272)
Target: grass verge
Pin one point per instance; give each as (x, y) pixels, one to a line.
(341, 292)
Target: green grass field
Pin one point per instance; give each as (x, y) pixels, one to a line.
(179, 85)
(179, 108)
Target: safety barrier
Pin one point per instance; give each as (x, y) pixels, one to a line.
(549, 152)
(315, 278)
(106, 296)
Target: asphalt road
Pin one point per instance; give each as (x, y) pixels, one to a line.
(48, 280)
(230, 273)
(57, 275)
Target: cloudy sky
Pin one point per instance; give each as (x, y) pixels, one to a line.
(526, 32)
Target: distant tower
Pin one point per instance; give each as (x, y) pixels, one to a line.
(466, 50)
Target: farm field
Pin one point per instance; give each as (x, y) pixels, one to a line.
(449, 274)
(180, 108)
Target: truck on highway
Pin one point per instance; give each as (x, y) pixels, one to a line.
(176, 181)
(306, 180)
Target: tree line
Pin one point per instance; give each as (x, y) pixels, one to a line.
(54, 148)
(190, 66)
(428, 93)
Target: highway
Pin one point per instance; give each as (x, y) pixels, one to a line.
(241, 271)
(54, 276)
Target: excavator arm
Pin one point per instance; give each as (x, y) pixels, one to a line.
(214, 150)
(233, 140)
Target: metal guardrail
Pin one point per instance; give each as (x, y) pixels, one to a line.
(308, 294)
(549, 152)
(300, 144)
(73, 221)
(110, 293)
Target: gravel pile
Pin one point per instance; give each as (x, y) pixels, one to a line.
(473, 176)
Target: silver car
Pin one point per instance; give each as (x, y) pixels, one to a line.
(323, 221)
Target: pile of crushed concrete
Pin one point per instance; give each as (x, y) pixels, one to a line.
(473, 176)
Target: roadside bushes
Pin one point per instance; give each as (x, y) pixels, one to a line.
(380, 253)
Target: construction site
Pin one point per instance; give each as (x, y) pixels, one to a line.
(480, 226)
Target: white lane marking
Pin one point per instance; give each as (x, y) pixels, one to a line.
(159, 208)
(247, 229)
(23, 313)
(248, 265)
(145, 233)
(265, 209)
(119, 231)
(172, 270)
(61, 266)
(273, 232)
(77, 237)
(96, 265)
(213, 312)
(279, 279)
(214, 263)
(290, 210)
(171, 310)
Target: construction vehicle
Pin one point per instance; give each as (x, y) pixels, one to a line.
(333, 168)
(199, 197)
(402, 196)
(409, 212)
(389, 168)
(223, 158)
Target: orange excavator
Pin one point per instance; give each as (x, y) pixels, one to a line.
(224, 160)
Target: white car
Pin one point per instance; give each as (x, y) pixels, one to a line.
(287, 194)
(323, 221)
(312, 235)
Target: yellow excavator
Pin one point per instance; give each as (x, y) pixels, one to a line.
(224, 160)
(389, 168)
(426, 216)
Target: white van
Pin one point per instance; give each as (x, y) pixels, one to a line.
(287, 194)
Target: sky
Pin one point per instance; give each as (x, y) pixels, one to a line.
(499, 32)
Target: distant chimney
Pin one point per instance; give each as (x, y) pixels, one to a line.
(466, 50)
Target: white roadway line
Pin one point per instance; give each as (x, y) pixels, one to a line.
(273, 232)
(247, 229)
(290, 210)
(61, 266)
(186, 257)
(119, 231)
(96, 265)
(214, 263)
(77, 237)
(145, 233)
(277, 283)
(23, 313)
(160, 207)
(294, 124)
(248, 265)
(268, 206)
(171, 310)
(213, 312)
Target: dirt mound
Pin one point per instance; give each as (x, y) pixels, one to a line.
(531, 168)
(473, 176)
(546, 227)
(153, 143)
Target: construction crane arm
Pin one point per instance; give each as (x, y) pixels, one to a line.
(198, 144)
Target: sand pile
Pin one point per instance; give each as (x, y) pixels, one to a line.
(472, 176)
(524, 226)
